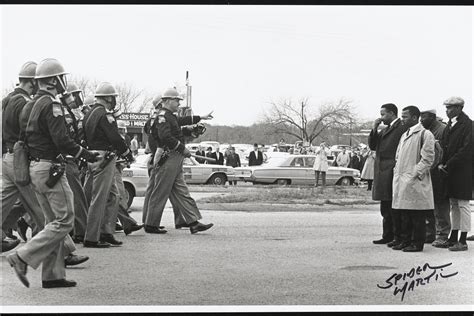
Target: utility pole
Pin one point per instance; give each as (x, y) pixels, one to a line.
(350, 132)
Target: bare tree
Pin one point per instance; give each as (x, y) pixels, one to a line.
(127, 96)
(299, 119)
(144, 105)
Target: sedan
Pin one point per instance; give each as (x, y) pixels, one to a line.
(135, 178)
(295, 169)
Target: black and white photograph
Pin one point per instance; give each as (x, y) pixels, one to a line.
(236, 158)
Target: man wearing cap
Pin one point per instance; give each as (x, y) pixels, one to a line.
(102, 135)
(169, 179)
(438, 223)
(456, 167)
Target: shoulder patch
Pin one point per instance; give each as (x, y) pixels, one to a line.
(110, 118)
(57, 109)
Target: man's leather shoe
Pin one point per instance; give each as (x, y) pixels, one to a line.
(393, 243)
(443, 243)
(470, 238)
(458, 247)
(22, 228)
(74, 260)
(154, 230)
(199, 227)
(429, 240)
(109, 238)
(118, 227)
(400, 246)
(381, 241)
(20, 268)
(78, 239)
(412, 248)
(9, 245)
(58, 283)
(179, 226)
(132, 229)
(95, 244)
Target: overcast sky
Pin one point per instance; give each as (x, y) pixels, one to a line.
(242, 57)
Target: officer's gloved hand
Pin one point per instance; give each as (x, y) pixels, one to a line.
(186, 153)
(129, 157)
(90, 156)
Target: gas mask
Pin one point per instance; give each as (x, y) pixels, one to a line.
(73, 100)
(60, 85)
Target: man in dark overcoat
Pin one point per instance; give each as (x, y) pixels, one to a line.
(385, 143)
(457, 166)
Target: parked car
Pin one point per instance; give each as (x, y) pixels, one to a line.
(135, 178)
(295, 169)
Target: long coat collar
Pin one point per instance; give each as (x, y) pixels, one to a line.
(461, 119)
(413, 130)
(389, 129)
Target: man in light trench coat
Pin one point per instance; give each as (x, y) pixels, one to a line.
(412, 188)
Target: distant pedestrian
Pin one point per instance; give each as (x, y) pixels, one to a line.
(134, 145)
(412, 188)
(368, 170)
(457, 167)
(320, 165)
(209, 154)
(218, 156)
(200, 152)
(343, 159)
(255, 157)
(232, 160)
(385, 144)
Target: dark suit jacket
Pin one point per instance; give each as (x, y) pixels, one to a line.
(220, 159)
(255, 161)
(200, 153)
(385, 144)
(457, 155)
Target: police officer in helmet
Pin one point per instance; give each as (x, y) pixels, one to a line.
(169, 179)
(48, 139)
(102, 135)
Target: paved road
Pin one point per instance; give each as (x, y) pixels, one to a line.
(257, 258)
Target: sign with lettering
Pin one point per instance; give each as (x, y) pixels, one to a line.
(134, 119)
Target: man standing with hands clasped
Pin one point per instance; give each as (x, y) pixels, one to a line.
(412, 189)
(456, 167)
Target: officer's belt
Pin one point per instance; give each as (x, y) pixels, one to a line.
(38, 155)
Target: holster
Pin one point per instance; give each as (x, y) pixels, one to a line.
(161, 156)
(56, 171)
(108, 157)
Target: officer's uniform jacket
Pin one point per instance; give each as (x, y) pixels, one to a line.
(166, 129)
(12, 105)
(46, 133)
(101, 131)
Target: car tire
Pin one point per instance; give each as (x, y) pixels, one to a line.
(131, 193)
(283, 182)
(345, 181)
(217, 179)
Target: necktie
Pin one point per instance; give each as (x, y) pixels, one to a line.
(408, 131)
(450, 123)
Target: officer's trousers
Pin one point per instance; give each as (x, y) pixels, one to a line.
(57, 204)
(80, 202)
(178, 217)
(11, 192)
(102, 214)
(169, 183)
(125, 219)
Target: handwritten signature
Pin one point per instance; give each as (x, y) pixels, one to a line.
(418, 276)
